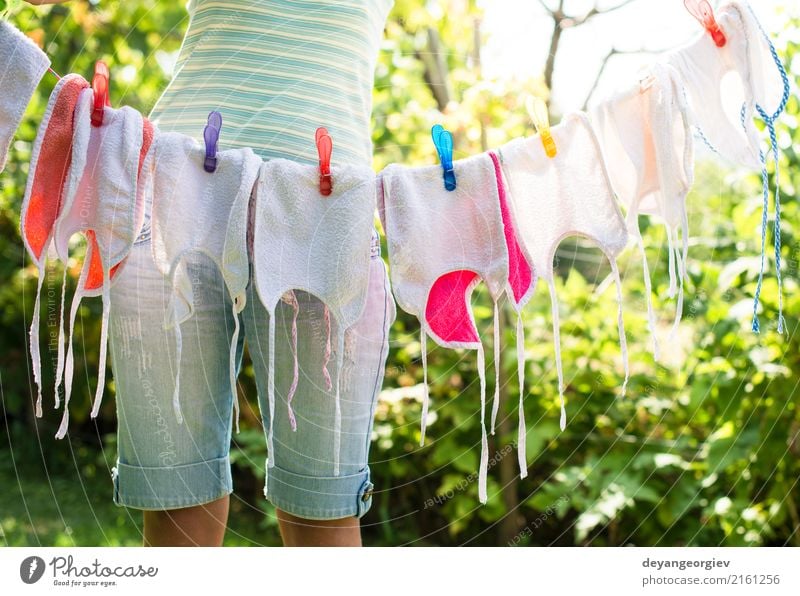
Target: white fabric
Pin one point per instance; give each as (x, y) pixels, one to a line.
(645, 134)
(68, 85)
(496, 349)
(430, 232)
(522, 432)
(102, 191)
(303, 240)
(23, 66)
(197, 211)
(518, 306)
(568, 195)
(483, 468)
(100, 195)
(719, 80)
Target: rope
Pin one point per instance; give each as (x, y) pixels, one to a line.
(769, 121)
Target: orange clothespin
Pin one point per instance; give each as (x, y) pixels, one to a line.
(702, 11)
(537, 110)
(324, 149)
(100, 87)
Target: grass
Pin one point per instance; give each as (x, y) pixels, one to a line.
(71, 505)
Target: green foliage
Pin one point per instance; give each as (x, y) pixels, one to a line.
(704, 448)
(9, 8)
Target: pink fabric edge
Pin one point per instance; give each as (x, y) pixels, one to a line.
(467, 345)
(522, 278)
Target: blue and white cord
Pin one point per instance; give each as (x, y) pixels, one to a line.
(770, 120)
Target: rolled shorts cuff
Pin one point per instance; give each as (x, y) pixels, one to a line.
(171, 487)
(319, 498)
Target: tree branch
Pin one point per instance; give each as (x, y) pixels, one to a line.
(561, 22)
(549, 67)
(436, 73)
(599, 76)
(549, 10)
(613, 52)
(598, 11)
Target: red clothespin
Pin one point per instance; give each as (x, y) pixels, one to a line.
(100, 87)
(324, 149)
(702, 11)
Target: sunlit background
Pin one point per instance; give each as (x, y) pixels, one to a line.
(703, 450)
(519, 32)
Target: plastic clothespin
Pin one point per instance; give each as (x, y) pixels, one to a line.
(100, 83)
(537, 110)
(324, 150)
(646, 80)
(443, 140)
(702, 11)
(211, 137)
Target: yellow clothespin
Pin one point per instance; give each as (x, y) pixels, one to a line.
(537, 110)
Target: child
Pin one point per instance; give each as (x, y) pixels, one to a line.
(276, 71)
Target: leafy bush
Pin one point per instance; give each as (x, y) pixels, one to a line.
(702, 450)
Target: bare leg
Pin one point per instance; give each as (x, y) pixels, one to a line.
(296, 531)
(202, 525)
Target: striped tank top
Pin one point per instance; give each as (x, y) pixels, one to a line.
(277, 70)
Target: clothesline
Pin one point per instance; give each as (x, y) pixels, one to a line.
(505, 209)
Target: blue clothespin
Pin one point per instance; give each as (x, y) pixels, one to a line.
(211, 136)
(444, 147)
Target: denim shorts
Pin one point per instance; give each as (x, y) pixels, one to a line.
(163, 464)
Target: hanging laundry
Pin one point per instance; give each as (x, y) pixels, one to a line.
(197, 211)
(727, 88)
(49, 168)
(314, 242)
(24, 65)
(519, 290)
(645, 134)
(442, 243)
(103, 199)
(721, 82)
(496, 217)
(569, 194)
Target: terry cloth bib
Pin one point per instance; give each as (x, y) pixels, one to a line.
(724, 84)
(103, 199)
(50, 163)
(24, 65)
(443, 243)
(727, 87)
(568, 195)
(198, 211)
(318, 244)
(646, 138)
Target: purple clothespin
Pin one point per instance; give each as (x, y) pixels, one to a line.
(211, 136)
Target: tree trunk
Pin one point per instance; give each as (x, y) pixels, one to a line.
(550, 65)
(436, 71)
